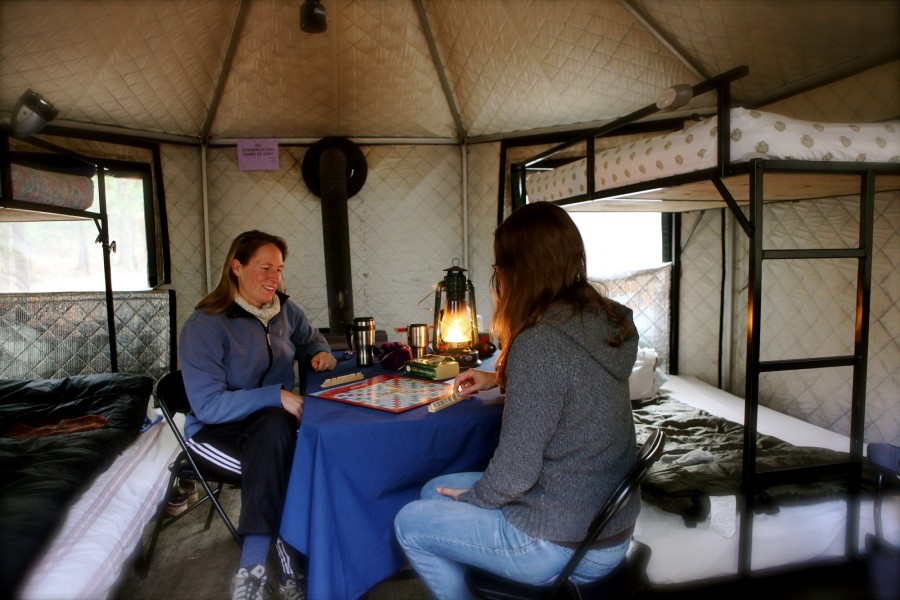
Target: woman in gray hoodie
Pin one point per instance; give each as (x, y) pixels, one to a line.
(567, 437)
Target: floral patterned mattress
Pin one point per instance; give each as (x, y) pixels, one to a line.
(53, 188)
(754, 134)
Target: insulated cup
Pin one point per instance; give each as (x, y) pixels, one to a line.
(417, 337)
(361, 339)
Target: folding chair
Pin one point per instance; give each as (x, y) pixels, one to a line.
(883, 557)
(172, 399)
(621, 582)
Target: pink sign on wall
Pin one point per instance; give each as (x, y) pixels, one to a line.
(257, 155)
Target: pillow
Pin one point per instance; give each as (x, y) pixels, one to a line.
(643, 384)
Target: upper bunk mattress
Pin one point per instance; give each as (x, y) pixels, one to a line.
(52, 188)
(754, 134)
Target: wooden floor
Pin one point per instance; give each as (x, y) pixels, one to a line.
(190, 562)
(198, 564)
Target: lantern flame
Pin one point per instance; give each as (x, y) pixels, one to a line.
(456, 324)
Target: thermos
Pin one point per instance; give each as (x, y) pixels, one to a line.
(417, 337)
(361, 339)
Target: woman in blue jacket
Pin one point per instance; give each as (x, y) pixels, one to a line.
(237, 356)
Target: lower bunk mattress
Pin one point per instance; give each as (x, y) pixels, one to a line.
(701, 546)
(84, 469)
(89, 553)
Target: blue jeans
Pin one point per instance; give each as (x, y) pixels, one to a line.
(440, 537)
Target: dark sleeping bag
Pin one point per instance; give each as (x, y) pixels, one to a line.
(684, 487)
(56, 437)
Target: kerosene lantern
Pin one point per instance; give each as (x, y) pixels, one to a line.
(455, 324)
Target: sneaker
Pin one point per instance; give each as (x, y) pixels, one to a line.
(189, 489)
(291, 590)
(176, 505)
(248, 585)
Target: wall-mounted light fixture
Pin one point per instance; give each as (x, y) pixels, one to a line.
(674, 97)
(312, 17)
(31, 113)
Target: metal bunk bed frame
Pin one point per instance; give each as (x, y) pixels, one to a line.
(100, 219)
(754, 481)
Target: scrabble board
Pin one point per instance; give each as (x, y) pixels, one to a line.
(391, 393)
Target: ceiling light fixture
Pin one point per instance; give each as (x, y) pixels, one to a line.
(312, 17)
(31, 113)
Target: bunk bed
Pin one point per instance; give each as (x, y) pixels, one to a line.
(85, 458)
(697, 540)
(723, 161)
(57, 185)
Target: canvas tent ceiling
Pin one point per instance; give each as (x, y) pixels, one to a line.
(417, 69)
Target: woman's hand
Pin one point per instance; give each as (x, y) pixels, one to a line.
(473, 381)
(323, 361)
(450, 492)
(292, 403)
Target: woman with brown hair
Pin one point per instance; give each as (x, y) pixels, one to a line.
(237, 355)
(567, 436)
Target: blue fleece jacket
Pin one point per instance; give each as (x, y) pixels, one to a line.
(233, 365)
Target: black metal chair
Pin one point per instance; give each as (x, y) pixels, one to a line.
(621, 582)
(172, 399)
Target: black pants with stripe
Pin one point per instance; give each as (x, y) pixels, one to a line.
(260, 448)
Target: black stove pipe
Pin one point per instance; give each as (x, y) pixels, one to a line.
(336, 233)
(335, 170)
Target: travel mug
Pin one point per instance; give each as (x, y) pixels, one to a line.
(361, 339)
(417, 337)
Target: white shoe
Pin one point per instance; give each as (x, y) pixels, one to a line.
(291, 590)
(249, 584)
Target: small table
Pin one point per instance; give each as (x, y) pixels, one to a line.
(356, 467)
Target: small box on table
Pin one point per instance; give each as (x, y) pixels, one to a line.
(433, 366)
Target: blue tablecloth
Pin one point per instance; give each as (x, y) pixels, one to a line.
(356, 467)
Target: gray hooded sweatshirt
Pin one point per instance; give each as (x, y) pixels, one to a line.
(567, 437)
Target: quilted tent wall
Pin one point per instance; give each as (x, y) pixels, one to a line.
(807, 311)
(59, 335)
